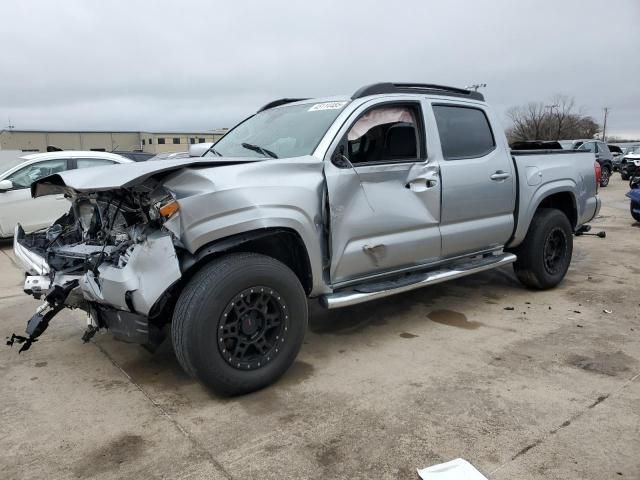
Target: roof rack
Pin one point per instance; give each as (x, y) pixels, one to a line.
(425, 88)
(280, 101)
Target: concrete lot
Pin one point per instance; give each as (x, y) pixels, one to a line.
(547, 389)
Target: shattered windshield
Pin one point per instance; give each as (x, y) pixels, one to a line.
(281, 132)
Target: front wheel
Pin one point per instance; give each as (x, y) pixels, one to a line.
(239, 323)
(545, 253)
(605, 176)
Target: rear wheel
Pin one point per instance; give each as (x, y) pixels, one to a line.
(239, 323)
(605, 176)
(545, 253)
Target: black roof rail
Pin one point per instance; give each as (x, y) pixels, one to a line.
(280, 101)
(425, 88)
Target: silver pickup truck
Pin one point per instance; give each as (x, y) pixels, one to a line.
(343, 199)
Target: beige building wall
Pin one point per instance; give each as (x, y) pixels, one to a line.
(127, 141)
(34, 141)
(151, 142)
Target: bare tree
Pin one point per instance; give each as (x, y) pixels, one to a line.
(557, 119)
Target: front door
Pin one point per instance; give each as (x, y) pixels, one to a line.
(478, 181)
(17, 206)
(384, 193)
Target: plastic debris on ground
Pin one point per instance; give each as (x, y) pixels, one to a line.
(458, 469)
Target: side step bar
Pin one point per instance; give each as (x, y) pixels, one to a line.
(365, 293)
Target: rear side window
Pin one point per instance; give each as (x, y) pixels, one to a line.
(589, 147)
(92, 162)
(464, 132)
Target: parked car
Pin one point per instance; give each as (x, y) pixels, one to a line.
(617, 153)
(630, 163)
(634, 197)
(16, 204)
(135, 155)
(603, 155)
(346, 199)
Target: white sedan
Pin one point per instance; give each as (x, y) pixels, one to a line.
(16, 204)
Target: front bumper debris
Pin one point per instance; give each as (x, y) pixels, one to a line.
(118, 297)
(33, 263)
(38, 323)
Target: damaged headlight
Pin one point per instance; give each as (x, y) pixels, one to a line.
(164, 207)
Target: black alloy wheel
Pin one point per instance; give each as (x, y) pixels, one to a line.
(252, 328)
(555, 249)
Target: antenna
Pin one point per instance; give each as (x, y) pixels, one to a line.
(476, 86)
(10, 126)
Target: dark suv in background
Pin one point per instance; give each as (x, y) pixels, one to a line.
(602, 152)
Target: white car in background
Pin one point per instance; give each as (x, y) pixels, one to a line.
(16, 177)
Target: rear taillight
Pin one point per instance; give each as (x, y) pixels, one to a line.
(598, 170)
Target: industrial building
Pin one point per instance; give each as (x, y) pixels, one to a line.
(107, 141)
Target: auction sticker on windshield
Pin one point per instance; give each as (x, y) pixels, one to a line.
(327, 106)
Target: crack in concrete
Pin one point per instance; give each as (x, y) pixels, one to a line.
(566, 423)
(217, 465)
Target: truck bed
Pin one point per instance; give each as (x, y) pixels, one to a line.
(543, 172)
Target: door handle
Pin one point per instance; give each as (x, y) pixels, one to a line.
(421, 184)
(500, 175)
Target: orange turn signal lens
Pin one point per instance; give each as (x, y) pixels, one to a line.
(169, 209)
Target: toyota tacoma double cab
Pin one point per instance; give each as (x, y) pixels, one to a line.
(342, 199)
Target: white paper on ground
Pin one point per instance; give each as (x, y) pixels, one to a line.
(457, 469)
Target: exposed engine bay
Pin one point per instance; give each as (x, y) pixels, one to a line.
(91, 259)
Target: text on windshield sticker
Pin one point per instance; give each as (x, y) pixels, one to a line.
(327, 106)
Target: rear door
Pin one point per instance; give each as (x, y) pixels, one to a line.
(478, 180)
(384, 192)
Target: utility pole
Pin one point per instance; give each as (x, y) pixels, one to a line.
(604, 126)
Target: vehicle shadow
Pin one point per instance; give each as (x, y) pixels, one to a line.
(373, 322)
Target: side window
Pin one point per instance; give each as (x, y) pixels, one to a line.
(588, 146)
(388, 133)
(464, 132)
(92, 162)
(24, 177)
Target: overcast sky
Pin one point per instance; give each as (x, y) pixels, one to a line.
(200, 65)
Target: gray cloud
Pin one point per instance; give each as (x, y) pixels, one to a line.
(201, 65)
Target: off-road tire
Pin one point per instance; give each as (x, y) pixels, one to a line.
(201, 306)
(549, 226)
(605, 176)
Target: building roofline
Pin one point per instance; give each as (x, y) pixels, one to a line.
(186, 132)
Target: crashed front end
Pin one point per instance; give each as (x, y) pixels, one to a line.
(113, 255)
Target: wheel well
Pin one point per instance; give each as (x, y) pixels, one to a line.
(283, 244)
(564, 202)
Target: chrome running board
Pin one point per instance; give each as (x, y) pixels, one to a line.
(373, 291)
